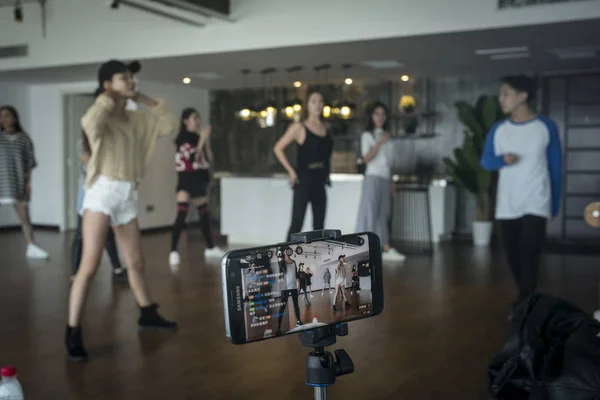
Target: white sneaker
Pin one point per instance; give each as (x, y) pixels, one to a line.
(393, 255)
(35, 252)
(174, 258)
(215, 252)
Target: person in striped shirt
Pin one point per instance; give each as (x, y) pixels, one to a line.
(17, 161)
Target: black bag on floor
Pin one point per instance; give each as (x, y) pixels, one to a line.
(552, 353)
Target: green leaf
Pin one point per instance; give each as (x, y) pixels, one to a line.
(489, 113)
(467, 116)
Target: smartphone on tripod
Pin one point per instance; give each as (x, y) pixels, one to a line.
(286, 288)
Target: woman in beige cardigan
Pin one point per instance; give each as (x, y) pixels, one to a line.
(122, 142)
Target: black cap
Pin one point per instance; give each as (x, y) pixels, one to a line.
(112, 67)
(341, 256)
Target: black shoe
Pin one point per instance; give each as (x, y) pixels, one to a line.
(120, 276)
(348, 305)
(151, 320)
(299, 323)
(334, 309)
(74, 343)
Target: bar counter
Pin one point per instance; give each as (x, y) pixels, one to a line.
(256, 208)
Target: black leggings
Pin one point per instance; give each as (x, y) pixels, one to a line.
(110, 245)
(523, 240)
(305, 192)
(284, 298)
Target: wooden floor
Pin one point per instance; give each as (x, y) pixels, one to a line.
(444, 318)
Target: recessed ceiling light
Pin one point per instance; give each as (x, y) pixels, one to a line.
(576, 55)
(405, 78)
(509, 56)
(348, 81)
(297, 84)
(186, 80)
(570, 53)
(209, 76)
(383, 64)
(502, 50)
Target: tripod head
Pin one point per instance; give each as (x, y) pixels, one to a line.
(311, 236)
(321, 366)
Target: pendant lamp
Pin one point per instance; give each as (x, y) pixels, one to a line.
(246, 112)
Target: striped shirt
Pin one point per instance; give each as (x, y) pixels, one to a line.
(17, 159)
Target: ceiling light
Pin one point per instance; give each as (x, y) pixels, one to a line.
(207, 76)
(577, 55)
(347, 110)
(576, 52)
(267, 116)
(405, 78)
(18, 12)
(509, 56)
(186, 80)
(246, 114)
(297, 84)
(293, 110)
(348, 81)
(502, 50)
(383, 64)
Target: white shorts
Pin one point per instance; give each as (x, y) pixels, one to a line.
(117, 199)
(340, 281)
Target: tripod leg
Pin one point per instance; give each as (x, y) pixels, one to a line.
(320, 393)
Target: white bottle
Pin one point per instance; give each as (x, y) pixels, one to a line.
(10, 388)
(315, 320)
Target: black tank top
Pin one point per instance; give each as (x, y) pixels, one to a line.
(314, 156)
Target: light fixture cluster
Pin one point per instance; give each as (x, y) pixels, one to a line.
(266, 115)
(18, 12)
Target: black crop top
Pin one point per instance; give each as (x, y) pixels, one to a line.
(314, 155)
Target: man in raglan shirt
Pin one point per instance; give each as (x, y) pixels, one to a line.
(526, 150)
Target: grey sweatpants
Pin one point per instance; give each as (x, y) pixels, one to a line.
(374, 209)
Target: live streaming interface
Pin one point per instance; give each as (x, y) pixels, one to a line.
(303, 286)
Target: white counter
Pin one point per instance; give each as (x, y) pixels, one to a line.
(257, 210)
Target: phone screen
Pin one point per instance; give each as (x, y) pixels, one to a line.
(292, 287)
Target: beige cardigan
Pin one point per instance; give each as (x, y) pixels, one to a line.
(121, 148)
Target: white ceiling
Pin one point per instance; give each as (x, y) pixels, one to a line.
(432, 55)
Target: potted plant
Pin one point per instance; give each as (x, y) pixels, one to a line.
(466, 170)
(408, 106)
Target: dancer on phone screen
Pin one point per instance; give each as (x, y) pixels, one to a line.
(291, 286)
(326, 281)
(309, 281)
(340, 282)
(302, 282)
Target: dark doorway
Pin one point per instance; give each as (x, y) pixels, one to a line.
(574, 103)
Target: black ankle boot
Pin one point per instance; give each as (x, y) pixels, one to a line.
(151, 320)
(74, 343)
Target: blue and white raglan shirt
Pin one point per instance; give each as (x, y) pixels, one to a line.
(533, 184)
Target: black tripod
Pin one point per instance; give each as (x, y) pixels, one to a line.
(321, 366)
